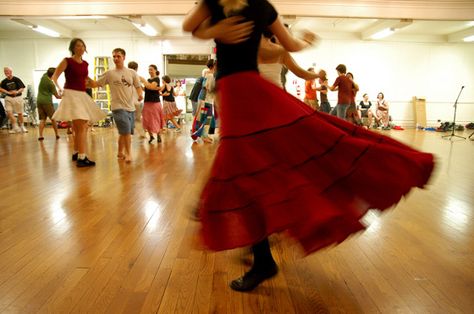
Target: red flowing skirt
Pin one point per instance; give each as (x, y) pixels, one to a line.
(281, 166)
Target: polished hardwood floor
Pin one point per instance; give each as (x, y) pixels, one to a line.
(118, 238)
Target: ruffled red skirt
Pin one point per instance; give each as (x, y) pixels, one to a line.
(280, 166)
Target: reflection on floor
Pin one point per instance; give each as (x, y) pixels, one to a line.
(118, 237)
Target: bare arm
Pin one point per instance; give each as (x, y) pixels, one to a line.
(332, 88)
(19, 91)
(59, 70)
(296, 69)
(55, 93)
(290, 43)
(92, 83)
(139, 93)
(4, 91)
(355, 87)
(383, 105)
(165, 90)
(152, 85)
(195, 17)
(227, 31)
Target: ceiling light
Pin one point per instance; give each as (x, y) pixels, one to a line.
(469, 39)
(45, 31)
(383, 33)
(146, 29)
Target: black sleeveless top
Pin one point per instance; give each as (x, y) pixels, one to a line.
(170, 97)
(364, 106)
(242, 56)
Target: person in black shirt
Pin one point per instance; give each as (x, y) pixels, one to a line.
(364, 109)
(170, 110)
(297, 170)
(152, 114)
(13, 87)
(237, 71)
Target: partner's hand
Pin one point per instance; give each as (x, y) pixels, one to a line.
(233, 30)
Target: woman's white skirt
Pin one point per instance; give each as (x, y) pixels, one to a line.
(77, 105)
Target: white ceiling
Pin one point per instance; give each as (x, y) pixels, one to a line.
(434, 20)
(170, 26)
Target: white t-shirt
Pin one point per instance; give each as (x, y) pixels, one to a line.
(122, 83)
(180, 98)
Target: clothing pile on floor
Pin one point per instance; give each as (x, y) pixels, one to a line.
(448, 126)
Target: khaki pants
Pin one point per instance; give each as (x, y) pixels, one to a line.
(14, 104)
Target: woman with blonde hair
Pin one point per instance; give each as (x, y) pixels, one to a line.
(297, 170)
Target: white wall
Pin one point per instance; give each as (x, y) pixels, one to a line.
(401, 70)
(26, 56)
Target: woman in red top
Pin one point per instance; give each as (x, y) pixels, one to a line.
(76, 105)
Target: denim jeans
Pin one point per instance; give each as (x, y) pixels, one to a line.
(341, 111)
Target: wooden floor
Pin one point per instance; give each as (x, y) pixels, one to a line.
(117, 238)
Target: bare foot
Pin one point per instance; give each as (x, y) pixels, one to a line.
(120, 156)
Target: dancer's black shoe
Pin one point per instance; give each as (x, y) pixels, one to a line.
(81, 163)
(253, 278)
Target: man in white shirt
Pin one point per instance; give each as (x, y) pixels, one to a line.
(122, 81)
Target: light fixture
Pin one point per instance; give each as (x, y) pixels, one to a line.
(44, 30)
(384, 28)
(383, 33)
(469, 39)
(146, 29)
(466, 35)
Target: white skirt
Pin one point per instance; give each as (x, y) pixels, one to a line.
(77, 105)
